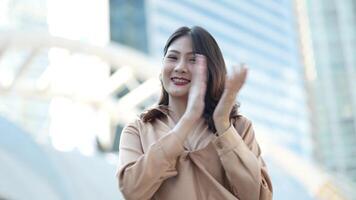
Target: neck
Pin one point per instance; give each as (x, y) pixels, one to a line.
(177, 107)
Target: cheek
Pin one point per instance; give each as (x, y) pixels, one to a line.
(166, 74)
(166, 70)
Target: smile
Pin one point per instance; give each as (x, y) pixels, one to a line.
(180, 81)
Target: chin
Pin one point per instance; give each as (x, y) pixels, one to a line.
(177, 94)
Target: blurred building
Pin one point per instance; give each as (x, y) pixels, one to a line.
(28, 67)
(26, 15)
(333, 83)
(54, 77)
(128, 23)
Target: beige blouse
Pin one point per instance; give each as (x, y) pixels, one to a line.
(154, 164)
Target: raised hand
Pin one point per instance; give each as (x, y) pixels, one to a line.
(233, 84)
(195, 104)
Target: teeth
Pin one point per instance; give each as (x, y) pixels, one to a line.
(180, 80)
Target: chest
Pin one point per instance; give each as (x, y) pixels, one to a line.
(198, 138)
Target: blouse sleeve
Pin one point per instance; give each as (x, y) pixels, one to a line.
(241, 159)
(140, 173)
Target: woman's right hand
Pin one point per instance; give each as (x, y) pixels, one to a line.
(196, 95)
(197, 90)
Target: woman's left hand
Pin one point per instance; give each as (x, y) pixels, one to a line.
(233, 84)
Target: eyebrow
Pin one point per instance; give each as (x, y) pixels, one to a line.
(175, 51)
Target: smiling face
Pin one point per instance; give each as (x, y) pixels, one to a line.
(176, 76)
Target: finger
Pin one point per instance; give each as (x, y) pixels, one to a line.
(240, 71)
(241, 68)
(203, 89)
(236, 69)
(200, 57)
(237, 78)
(199, 61)
(201, 67)
(244, 71)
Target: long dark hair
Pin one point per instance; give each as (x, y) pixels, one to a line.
(203, 43)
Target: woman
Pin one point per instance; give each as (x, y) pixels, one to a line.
(193, 144)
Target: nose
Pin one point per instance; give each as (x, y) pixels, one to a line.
(181, 67)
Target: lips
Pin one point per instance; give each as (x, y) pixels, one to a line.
(180, 80)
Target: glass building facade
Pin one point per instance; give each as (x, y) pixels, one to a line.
(333, 31)
(128, 23)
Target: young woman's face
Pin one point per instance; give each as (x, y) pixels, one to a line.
(176, 76)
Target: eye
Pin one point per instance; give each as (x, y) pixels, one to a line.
(192, 60)
(171, 57)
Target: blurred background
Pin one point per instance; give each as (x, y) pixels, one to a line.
(74, 72)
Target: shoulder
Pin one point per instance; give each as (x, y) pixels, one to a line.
(140, 127)
(153, 113)
(134, 127)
